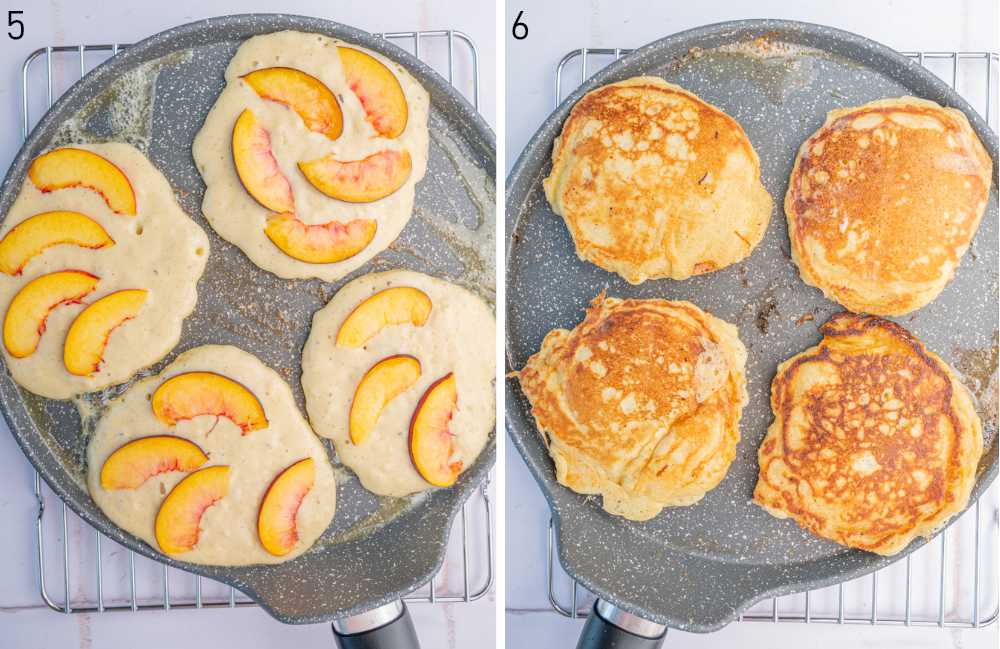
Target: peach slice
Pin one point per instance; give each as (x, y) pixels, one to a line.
(193, 394)
(276, 519)
(256, 166)
(393, 306)
(88, 335)
(378, 90)
(34, 234)
(385, 381)
(178, 522)
(325, 243)
(305, 94)
(431, 443)
(141, 459)
(68, 167)
(24, 323)
(359, 181)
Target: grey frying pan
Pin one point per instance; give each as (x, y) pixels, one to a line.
(697, 568)
(376, 549)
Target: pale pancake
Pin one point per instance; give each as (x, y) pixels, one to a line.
(458, 337)
(240, 219)
(884, 200)
(159, 249)
(228, 534)
(654, 182)
(875, 442)
(640, 403)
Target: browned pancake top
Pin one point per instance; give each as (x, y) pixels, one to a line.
(870, 439)
(891, 192)
(652, 182)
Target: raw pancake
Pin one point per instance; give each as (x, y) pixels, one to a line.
(654, 182)
(875, 442)
(884, 200)
(640, 403)
(458, 336)
(228, 534)
(160, 249)
(240, 219)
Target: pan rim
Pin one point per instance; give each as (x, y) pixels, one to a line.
(26, 432)
(517, 420)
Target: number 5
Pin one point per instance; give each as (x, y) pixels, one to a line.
(11, 22)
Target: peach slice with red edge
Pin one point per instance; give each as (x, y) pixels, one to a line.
(325, 243)
(359, 181)
(141, 459)
(36, 233)
(276, 526)
(385, 381)
(178, 523)
(305, 94)
(392, 306)
(193, 394)
(87, 337)
(69, 167)
(257, 167)
(25, 320)
(378, 90)
(431, 443)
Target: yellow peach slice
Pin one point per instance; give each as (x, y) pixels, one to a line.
(378, 90)
(305, 94)
(193, 394)
(34, 234)
(385, 381)
(68, 167)
(178, 522)
(325, 243)
(141, 459)
(431, 444)
(87, 337)
(393, 306)
(359, 181)
(256, 166)
(24, 323)
(276, 526)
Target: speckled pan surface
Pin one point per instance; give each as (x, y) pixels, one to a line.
(156, 95)
(698, 567)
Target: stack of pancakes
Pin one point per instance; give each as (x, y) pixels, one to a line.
(875, 441)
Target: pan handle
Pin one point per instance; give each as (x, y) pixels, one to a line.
(609, 627)
(386, 627)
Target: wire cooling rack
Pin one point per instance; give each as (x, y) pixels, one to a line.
(950, 582)
(120, 580)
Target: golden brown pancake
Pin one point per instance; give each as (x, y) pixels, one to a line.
(654, 182)
(884, 200)
(874, 442)
(640, 403)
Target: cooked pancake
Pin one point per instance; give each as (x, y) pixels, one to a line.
(640, 403)
(874, 442)
(654, 182)
(884, 200)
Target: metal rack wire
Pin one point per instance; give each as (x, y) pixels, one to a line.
(961, 567)
(186, 591)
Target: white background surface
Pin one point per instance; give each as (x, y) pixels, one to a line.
(24, 622)
(558, 26)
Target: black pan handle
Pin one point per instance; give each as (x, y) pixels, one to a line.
(609, 627)
(386, 627)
